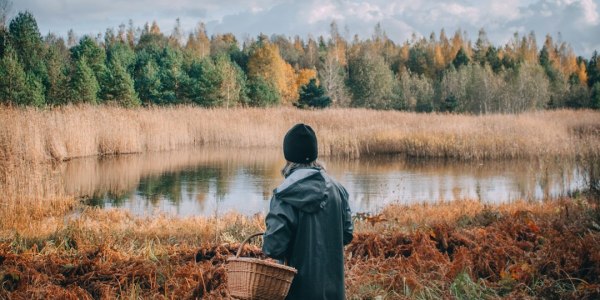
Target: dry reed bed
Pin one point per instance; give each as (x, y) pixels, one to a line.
(522, 250)
(69, 132)
(30, 196)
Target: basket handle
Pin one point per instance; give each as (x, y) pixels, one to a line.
(246, 241)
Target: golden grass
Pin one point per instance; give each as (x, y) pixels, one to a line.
(30, 196)
(407, 218)
(130, 234)
(69, 132)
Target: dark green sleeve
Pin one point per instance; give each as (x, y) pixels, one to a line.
(281, 224)
(346, 216)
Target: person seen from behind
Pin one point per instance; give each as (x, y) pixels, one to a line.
(309, 220)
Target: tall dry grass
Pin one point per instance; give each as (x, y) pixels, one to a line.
(69, 132)
(31, 198)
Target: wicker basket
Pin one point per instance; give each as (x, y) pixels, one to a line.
(252, 278)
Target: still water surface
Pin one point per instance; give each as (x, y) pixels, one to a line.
(216, 181)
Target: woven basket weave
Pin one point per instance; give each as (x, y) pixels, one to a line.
(252, 278)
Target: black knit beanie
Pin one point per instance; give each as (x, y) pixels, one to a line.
(300, 144)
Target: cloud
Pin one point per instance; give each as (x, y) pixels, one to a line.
(577, 20)
(590, 12)
(324, 12)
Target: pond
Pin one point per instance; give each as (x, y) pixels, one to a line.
(211, 181)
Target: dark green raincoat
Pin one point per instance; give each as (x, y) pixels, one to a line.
(308, 224)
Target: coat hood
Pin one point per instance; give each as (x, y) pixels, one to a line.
(305, 189)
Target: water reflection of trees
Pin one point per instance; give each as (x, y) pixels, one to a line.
(172, 177)
(108, 198)
(200, 175)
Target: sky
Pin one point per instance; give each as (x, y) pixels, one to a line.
(574, 21)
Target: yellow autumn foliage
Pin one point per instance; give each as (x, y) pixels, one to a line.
(582, 74)
(304, 76)
(266, 62)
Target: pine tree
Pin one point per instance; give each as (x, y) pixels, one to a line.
(13, 81)
(119, 85)
(83, 84)
(18, 87)
(121, 53)
(312, 95)
(546, 63)
(57, 67)
(262, 92)
(595, 96)
(148, 83)
(25, 38)
(492, 59)
(593, 69)
(202, 86)
(418, 60)
(461, 58)
(34, 92)
(4, 40)
(172, 76)
(94, 56)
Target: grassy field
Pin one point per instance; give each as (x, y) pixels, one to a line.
(462, 250)
(69, 132)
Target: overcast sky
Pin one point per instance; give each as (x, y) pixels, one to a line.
(577, 20)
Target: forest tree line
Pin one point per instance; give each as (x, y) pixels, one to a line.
(133, 66)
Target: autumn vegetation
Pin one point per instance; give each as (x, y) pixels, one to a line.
(135, 90)
(53, 246)
(462, 250)
(134, 66)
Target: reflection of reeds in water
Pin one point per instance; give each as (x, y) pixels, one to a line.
(121, 174)
(172, 178)
(553, 177)
(69, 132)
(205, 173)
